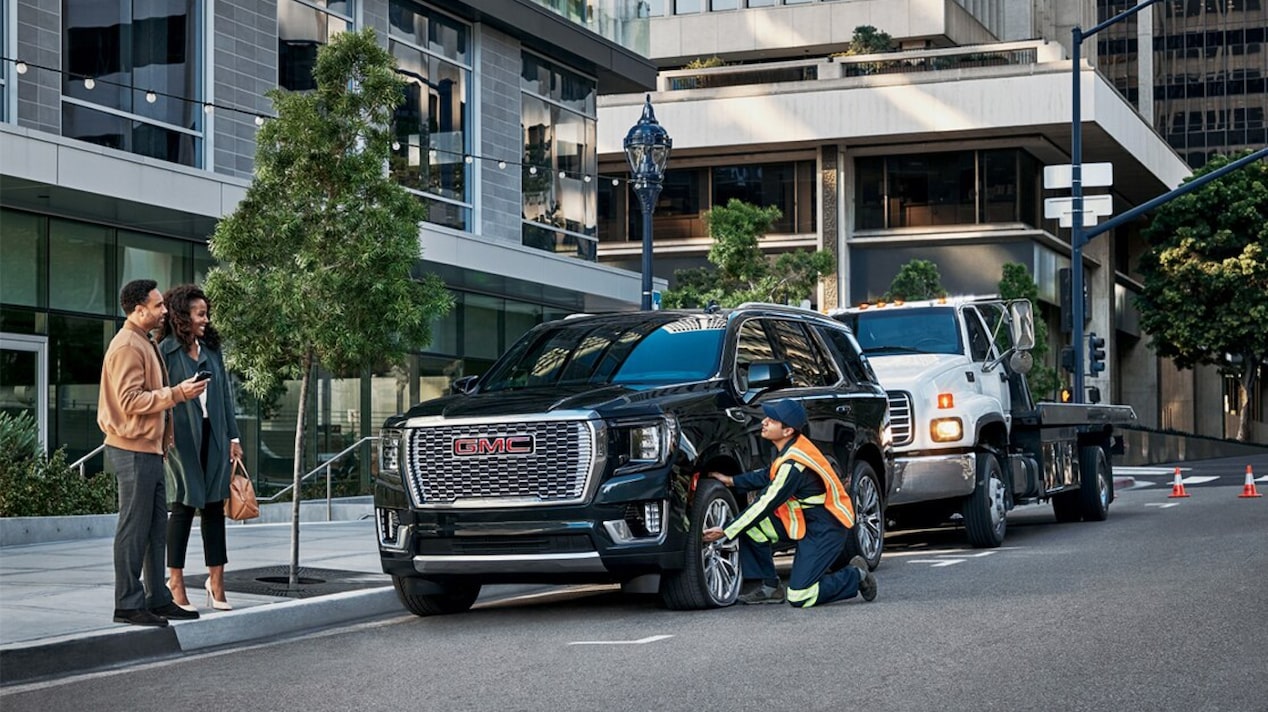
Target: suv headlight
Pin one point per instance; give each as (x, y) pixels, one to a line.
(650, 442)
(390, 452)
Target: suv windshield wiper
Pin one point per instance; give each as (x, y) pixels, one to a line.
(897, 347)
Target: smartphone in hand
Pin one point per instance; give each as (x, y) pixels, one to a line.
(202, 376)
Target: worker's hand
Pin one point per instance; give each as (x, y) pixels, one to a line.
(713, 534)
(724, 479)
(191, 388)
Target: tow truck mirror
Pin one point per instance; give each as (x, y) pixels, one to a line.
(767, 375)
(1021, 362)
(1021, 321)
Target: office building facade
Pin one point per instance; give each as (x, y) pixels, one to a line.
(128, 130)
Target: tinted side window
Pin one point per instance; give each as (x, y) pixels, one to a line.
(808, 364)
(979, 342)
(846, 351)
(752, 345)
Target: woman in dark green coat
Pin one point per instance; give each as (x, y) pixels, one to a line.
(199, 468)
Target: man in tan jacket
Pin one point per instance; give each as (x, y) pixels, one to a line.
(132, 411)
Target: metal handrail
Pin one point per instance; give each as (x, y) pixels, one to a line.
(81, 462)
(323, 466)
(84, 460)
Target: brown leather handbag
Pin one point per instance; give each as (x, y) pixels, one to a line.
(241, 504)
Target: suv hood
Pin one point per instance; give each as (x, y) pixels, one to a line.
(904, 372)
(609, 400)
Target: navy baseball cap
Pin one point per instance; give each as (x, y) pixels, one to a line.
(789, 412)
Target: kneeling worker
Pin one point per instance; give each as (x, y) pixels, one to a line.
(809, 505)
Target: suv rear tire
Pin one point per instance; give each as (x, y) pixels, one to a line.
(710, 575)
(867, 537)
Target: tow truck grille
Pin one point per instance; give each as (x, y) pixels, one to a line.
(557, 471)
(900, 416)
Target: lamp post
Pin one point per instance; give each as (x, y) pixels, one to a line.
(647, 150)
(1077, 238)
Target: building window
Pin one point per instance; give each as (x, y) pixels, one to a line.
(303, 26)
(431, 155)
(132, 76)
(4, 65)
(787, 186)
(560, 161)
(955, 188)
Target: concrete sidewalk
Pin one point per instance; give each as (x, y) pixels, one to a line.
(57, 597)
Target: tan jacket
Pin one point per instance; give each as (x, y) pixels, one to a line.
(134, 398)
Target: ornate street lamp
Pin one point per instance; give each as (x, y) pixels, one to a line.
(647, 150)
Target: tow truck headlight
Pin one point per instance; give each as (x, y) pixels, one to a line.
(390, 452)
(945, 430)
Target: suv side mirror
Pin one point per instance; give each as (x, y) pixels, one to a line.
(465, 385)
(768, 375)
(1021, 322)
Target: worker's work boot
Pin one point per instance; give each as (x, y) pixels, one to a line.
(764, 594)
(867, 582)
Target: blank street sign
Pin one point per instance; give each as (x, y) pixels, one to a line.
(1095, 175)
(1094, 207)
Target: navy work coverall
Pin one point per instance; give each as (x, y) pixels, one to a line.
(809, 583)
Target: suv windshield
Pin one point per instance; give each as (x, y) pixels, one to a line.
(924, 331)
(642, 349)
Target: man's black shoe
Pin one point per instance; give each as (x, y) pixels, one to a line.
(867, 582)
(172, 611)
(138, 616)
(764, 594)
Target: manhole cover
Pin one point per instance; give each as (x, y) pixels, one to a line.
(274, 581)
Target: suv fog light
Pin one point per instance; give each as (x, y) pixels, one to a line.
(651, 517)
(619, 531)
(389, 522)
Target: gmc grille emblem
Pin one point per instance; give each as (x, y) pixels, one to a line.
(493, 445)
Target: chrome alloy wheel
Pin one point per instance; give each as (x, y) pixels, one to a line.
(998, 510)
(720, 560)
(867, 519)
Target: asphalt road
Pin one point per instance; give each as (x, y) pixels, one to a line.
(1159, 608)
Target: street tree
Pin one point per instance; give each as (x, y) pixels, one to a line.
(1017, 283)
(740, 272)
(1205, 276)
(315, 265)
(916, 280)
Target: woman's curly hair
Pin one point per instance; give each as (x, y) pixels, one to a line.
(179, 301)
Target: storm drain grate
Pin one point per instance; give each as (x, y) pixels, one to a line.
(274, 581)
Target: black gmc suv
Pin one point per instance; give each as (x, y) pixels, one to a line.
(578, 457)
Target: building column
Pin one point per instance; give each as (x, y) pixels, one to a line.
(831, 237)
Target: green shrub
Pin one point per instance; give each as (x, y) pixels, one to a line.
(34, 484)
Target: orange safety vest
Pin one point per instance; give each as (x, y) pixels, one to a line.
(835, 498)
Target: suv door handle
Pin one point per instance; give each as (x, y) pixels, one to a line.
(845, 409)
(737, 414)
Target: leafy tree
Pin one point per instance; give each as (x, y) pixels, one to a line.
(705, 63)
(315, 263)
(868, 40)
(1018, 284)
(741, 272)
(1205, 295)
(916, 280)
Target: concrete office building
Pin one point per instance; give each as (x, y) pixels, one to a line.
(128, 130)
(932, 151)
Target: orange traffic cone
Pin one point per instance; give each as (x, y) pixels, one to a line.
(1248, 489)
(1177, 487)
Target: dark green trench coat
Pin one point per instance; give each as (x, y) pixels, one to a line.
(186, 481)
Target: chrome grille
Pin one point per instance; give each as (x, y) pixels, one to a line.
(900, 416)
(556, 472)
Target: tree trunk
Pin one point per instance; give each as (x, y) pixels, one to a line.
(293, 583)
(1249, 376)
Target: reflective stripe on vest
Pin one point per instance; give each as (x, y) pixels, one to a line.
(835, 498)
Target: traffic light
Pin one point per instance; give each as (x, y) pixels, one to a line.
(1095, 353)
(1067, 358)
(1066, 395)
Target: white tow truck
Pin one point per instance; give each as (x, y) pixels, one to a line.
(968, 437)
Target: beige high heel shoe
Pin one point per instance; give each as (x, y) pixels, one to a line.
(211, 601)
(182, 606)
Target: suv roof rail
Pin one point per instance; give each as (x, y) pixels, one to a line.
(778, 307)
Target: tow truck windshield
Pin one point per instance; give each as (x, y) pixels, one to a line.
(916, 331)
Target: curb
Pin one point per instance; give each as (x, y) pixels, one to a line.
(71, 654)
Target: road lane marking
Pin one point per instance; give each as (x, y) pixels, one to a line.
(1147, 470)
(938, 563)
(1162, 505)
(642, 641)
(1199, 479)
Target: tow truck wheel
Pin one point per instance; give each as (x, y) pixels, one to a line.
(985, 510)
(1094, 484)
(710, 576)
(867, 538)
(454, 598)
